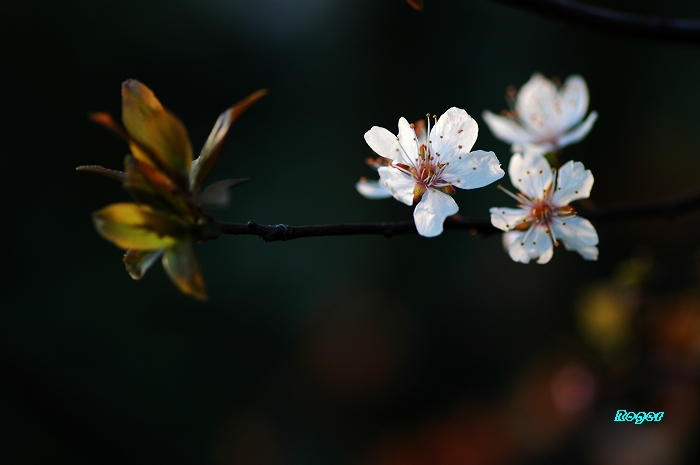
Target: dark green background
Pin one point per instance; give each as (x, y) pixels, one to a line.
(310, 351)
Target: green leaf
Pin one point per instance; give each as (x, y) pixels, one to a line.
(133, 226)
(137, 262)
(159, 137)
(182, 266)
(215, 142)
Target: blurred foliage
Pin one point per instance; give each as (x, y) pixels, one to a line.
(338, 350)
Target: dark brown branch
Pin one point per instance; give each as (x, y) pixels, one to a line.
(613, 22)
(270, 233)
(283, 232)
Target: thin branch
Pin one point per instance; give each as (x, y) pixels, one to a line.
(283, 232)
(669, 209)
(614, 22)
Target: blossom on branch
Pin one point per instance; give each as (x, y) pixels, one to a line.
(164, 180)
(543, 217)
(542, 117)
(426, 172)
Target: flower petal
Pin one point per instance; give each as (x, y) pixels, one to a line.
(535, 106)
(372, 189)
(574, 182)
(578, 133)
(473, 169)
(573, 100)
(431, 211)
(506, 219)
(137, 262)
(506, 129)
(182, 266)
(453, 135)
(156, 129)
(133, 226)
(408, 141)
(530, 174)
(385, 144)
(531, 244)
(577, 234)
(215, 142)
(399, 184)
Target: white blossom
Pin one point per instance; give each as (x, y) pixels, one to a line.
(426, 172)
(543, 217)
(544, 118)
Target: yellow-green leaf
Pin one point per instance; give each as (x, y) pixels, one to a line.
(148, 185)
(137, 262)
(215, 142)
(133, 226)
(159, 137)
(181, 264)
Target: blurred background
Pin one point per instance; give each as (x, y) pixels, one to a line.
(355, 350)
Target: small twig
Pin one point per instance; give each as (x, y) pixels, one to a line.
(610, 21)
(482, 226)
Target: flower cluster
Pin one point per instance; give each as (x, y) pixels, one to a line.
(423, 170)
(164, 180)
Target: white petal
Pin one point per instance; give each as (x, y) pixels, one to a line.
(531, 244)
(507, 218)
(408, 142)
(577, 234)
(384, 143)
(453, 135)
(510, 237)
(473, 170)
(578, 133)
(574, 182)
(372, 189)
(399, 184)
(573, 98)
(431, 212)
(539, 148)
(530, 174)
(506, 129)
(535, 107)
(546, 256)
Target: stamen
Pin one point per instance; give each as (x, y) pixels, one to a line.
(519, 198)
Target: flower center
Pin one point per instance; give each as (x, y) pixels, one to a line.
(542, 211)
(426, 170)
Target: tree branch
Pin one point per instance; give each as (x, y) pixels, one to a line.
(614, 22)
(669, 209)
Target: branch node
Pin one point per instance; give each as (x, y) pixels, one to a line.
(282, 232)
